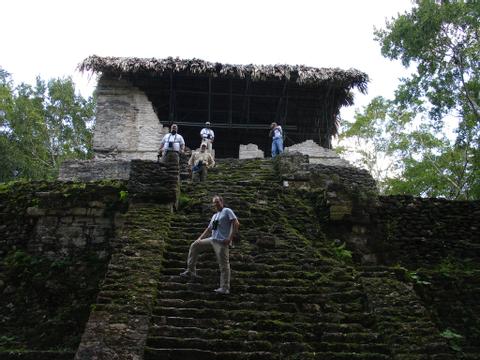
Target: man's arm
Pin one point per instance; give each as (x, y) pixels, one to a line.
(191, 161)
(211, 162)
(234, 225)
(205, 232)
(162, 144)
(182, 145)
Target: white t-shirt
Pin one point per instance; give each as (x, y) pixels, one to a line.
(277, 132)
(205, 132)
(176, 140)
(224, 218)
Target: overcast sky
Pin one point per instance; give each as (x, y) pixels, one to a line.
(50, 37)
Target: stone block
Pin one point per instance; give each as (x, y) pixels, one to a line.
(95, 212)
(250, 151)
(79, 242)
(36, 211)
(318, 154)
(340, 210)
(266, 241)
(78, 211)
(91, 170)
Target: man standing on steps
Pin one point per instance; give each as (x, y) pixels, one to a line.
(207, 135)
(222, 227)
(172, 144)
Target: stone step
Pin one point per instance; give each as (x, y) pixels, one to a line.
(321, 276)
(223, 333)
(235, 315)
(199, 286)
(228, 305)
(355, 347)
(175, 268)
(313, 301)
(241, 279)
(296, 332)
(36, 355)
(343, 355)
(197, 354)
(216, 345)
(248, 265)
(262, 320)
(266, 328)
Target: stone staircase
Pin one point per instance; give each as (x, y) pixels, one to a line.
(290, 298)
(400, 315)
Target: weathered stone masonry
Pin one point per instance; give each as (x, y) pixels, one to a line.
(419, 232)
(59, 219)
(406, 251)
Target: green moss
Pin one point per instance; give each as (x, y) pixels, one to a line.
(47, 302)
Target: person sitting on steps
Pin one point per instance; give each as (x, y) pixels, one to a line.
(199, 162)
(222, 227)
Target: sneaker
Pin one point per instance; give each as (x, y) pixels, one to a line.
(187, 274)
(222, 291)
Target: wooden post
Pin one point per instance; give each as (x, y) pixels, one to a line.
(209, 98)
(171, 110)
(230, 102)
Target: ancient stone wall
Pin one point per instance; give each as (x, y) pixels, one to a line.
(318, 154)
(423, 232)
(93, 170)
(58, 219)
(126, 124)
(55, 241)
(117, 328)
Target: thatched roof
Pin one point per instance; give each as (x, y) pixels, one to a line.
(299, 74)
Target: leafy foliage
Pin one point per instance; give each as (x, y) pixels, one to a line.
(40, 126)
(440, 41)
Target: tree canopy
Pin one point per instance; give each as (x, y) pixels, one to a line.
(42, 125)
(430, 130)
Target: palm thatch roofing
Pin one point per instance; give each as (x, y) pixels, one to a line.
(299, 74)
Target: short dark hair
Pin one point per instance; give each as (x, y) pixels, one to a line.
(217, 197)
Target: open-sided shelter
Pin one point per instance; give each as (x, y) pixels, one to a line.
(138, 98)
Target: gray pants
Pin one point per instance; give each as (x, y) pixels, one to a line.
(170, 157)
(221, 252)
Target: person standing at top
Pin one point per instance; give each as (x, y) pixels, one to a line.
(276, 133)
(207, 135)
(218, 235)
(172, 143)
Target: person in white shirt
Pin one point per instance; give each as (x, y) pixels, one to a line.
(276, 133)
(207, 135)
(172, 143)
(218, 235)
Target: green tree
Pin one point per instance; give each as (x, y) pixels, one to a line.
(439, 42)
(42, 125)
